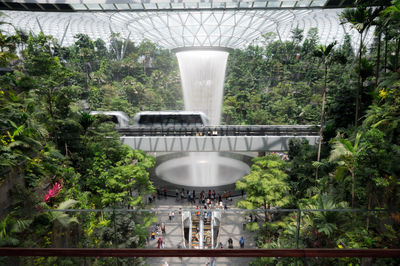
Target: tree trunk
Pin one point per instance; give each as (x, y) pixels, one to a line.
(386, 51)
(396, 60)
(359, 84)
(51, 112)
(369, 207)
(352, 189)
(322, 121)
(378, 59)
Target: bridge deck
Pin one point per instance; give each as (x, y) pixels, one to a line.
(216, 138)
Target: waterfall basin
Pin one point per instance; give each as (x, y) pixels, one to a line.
(202, 169)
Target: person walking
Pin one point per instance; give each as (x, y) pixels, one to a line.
(159, 242)
(163, 228)
(241, 242)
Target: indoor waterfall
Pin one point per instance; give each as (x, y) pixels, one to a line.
(202, 75)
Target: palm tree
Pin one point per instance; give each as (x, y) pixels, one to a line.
(326, 53)
(9, 227)
(391, 16)
(346, 155)
(361, 19)
(323, 223)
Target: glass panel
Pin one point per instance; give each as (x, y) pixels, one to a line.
(318, 3)
(164, 6)
(191, 5)
(274, 3)
(94, 7)
(218, 5)
(204, 5)
(288, 3)
(232, 5)
(260, 4)
(136, 6)
(245, 4)
(303, 3)
(78, 7)
(108, 6)
(177, 5)
(149, 6)
(122, 6)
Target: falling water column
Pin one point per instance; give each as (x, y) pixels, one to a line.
(202, 75)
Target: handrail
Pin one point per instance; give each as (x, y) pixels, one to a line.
(128, 252)
(232, 210)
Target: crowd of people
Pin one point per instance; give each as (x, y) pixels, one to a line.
(203, 198)
(202, 201)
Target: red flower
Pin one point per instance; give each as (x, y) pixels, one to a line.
(53, 191)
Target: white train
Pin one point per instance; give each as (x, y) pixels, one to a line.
(170, 118)
(120, 119)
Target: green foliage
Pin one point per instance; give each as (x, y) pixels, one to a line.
(10, 226)
(47, 136)
(301, 174)
(61, 217)
(266, 185)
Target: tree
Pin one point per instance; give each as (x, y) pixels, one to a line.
(320, 227)
(361, 19)
(346, 155)
(266, 186)
(10, 226)
(328, 56)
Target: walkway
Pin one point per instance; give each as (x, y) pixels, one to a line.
(232, 226)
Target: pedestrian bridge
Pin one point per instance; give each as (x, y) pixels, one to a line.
(217, 138)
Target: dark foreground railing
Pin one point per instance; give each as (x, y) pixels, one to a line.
(111, 252)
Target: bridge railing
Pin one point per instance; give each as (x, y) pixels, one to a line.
(310, 234)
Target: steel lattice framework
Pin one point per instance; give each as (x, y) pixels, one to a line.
(184, 24)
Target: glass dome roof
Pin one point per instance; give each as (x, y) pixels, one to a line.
(185, 26)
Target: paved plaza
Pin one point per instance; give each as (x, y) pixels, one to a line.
(231, 227)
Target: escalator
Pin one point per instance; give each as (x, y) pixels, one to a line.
(196, 232)
(201, 229)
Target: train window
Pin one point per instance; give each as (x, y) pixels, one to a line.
(170, 119)
(194, 119)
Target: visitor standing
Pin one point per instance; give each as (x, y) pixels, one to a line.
(241, 242)
(177, 194)
(182, 196)
(165, 192)
(230, 243)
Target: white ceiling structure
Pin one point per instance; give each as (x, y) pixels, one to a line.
(172, 24)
